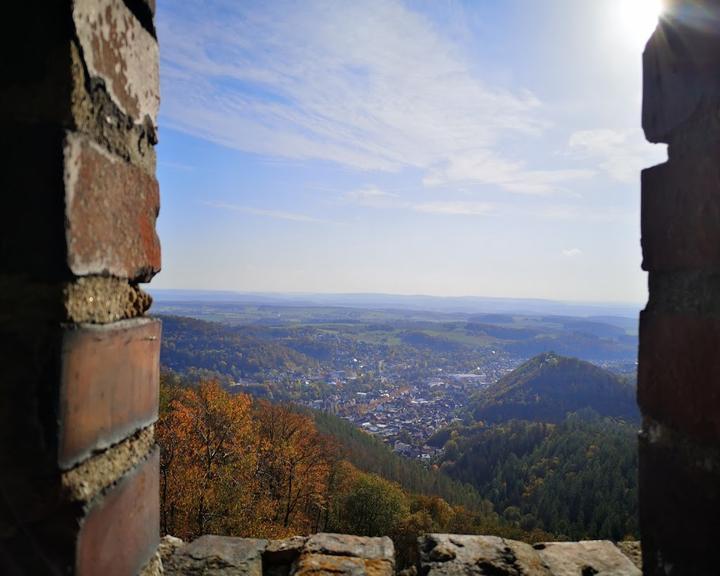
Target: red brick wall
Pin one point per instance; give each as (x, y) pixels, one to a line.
(80, 366)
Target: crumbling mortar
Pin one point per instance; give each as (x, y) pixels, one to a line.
(85, 299)
(104, 299)
(89, 480)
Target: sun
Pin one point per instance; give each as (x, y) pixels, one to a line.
(639, 17)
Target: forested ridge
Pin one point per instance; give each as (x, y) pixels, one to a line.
(548, 387)
(190, 344)
(576, 479)
(553, 445)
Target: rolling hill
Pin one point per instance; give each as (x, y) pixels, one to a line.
(548, 387)
(195, 344)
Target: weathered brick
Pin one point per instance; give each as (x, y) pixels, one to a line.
(679, 373)
(111, 209)
(681, 214)
(122, 530)
(121, 52)
(680, 65)
(109, 385)
(679, 489)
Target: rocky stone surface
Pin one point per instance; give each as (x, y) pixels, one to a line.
(440, 555)
(355, 546)
(586, 558)
(335, 554)
(632, 549)
(217, 556)
(448, 554)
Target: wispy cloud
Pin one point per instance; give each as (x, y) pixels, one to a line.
(621, 154)
(369, 85)
(572, 252)
(277, 214)
(486, 167)
(373, 197)
(570, 212)
(455, 208)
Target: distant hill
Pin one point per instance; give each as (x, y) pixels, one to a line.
(548, 387)
(195, 344)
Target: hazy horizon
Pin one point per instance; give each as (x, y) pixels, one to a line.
(417, 302)
(292, 293)
(399, 147)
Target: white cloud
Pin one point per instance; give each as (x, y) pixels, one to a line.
(276, 214)
(373, 197)
(572, 252)
(370, 85)
(486, 167)
(583, 213)
(455, 208)
(620, 154)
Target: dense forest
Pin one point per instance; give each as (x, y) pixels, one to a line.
(576, 479)
(553, 446)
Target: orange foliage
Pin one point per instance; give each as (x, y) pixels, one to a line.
(228, 467)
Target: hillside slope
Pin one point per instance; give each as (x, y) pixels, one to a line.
(576, 479)
(196, 344)
(548, 387)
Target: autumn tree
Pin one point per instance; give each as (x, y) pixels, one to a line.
(205, 436)
(295, 464)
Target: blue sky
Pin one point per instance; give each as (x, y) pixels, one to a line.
(486, 147)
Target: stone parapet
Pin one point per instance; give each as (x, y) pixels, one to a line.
(440, 555)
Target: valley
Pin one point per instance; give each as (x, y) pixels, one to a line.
(398, 374)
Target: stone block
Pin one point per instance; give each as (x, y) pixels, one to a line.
(111, 208)
(121, 531)
(681, 213)
(633, 550)
(587, 557)
(450, 554)
(355, 546)
(679, 373)
(280, 555)
(325, 564)
(217, 556)
(122, 53)
(109, 385)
